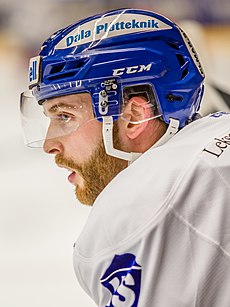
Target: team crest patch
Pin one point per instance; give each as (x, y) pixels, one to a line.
(123, 280)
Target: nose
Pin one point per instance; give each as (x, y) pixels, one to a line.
(52, 146)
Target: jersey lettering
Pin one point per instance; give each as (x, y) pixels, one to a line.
(218, 146)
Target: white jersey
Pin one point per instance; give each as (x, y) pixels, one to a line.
(159, 233)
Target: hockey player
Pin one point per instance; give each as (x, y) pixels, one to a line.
(115, 97)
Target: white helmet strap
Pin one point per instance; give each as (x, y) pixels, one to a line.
(107, 132)
(170, 132)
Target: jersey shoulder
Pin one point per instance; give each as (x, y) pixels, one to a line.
(139, 196)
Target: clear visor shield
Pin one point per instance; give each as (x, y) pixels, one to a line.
(56, 117)
(56, 110)
(60, 116)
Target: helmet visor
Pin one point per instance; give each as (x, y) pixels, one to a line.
(55, 117)
(55, 110)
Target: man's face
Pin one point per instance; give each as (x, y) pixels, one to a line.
(80, 147)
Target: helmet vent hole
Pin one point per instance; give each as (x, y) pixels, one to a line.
(184, 73)
(180, 59)
(67, 69)
(77, 64)
(173, 45)
(57, 68)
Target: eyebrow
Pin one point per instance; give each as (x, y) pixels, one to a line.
(57, 106)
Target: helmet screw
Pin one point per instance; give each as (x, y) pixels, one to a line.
(104, 103)
(171, 97)
(103, 93)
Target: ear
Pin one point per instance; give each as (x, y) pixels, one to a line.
(135, 113)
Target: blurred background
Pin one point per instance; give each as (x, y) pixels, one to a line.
(39, 216)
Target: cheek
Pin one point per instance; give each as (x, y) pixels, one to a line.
(83, 142)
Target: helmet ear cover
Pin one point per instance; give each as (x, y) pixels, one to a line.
(145, 91)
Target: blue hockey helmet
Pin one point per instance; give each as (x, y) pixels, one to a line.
(107, 53)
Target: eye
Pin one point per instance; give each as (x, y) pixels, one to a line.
(64, 117)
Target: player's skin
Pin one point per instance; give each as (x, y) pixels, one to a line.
(78, 150)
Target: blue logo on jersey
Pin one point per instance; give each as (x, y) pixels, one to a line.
(123, 280)
(218, 114)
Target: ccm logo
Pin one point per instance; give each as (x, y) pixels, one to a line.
(131, 69)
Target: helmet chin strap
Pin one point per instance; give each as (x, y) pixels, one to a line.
(107, 132)
(170, 132)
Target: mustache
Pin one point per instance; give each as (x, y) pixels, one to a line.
(61, 161)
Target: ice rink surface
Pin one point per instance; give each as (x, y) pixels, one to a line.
(39, 216)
